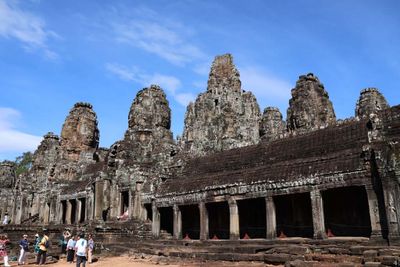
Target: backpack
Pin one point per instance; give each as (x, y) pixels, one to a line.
(47, 243)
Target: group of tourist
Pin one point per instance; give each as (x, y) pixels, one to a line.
(79, 246)
(70, 245)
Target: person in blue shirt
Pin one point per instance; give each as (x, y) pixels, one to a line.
(24, 245)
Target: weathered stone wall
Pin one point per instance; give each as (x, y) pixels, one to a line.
(272, 126)
(370, 101)
(309, 107)
(223, 117)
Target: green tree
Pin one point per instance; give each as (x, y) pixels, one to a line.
(23, 163)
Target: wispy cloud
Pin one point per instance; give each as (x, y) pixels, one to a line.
(166, 39)
(26, 27)
(169, 83)
(268, 88)
(12, 139)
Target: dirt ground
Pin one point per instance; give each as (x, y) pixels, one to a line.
(129, 261)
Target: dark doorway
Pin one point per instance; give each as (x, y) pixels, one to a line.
(124, 201)
(190, 221)
(252, 218)
(64, 211)
(73, 211)
(294, 215)
(83, 210)
(167, 219)
(218, 220)
(346, 211)
(149, 212)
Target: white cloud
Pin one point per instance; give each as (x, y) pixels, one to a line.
(185, 98)
(27, 28)
(269, 89)
(169, 83)
(11, 139)
(166, 40)
(264, 84)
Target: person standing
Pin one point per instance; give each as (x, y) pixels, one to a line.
(71, 249)
(36, 248)
(43, 245)
(5, 221)
(90, 249)
(24, 245)
(3, 249)
(63, 241)
(81, 249)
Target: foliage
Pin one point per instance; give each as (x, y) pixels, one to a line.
(23, 163)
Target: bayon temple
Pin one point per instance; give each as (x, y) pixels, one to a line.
(235, 173)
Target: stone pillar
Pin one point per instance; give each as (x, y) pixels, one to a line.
(234, 231)
(391, 211)
(271, 218)
(203, 221)
(318, 214)
(68, 212)
(376, 230)
(155, 226)
(137, 202)
(78, 210)
(98, 201)
(177, 222)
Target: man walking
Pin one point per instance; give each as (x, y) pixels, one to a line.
(24, 245)
(43, 245)
(81, 249)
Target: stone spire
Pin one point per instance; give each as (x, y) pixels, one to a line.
(309, 107)
(45, 158)
(223, 117)
(150, 110)
(223, 76)
(148, 138)
(79, 132)
(370, 101)
(272, 125)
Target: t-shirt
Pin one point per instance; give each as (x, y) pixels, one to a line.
(80, 247)
(24, 244)
(71, 244)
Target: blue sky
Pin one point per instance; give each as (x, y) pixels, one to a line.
(56, 53)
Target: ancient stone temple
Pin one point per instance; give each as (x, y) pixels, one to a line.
(234, 175)
(223, 117)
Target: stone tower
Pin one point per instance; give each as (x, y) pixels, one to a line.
(223, 117)
(370, 101)
(79, 132)
(272, 125)
(148, 138)
(309, 107)
(45, 157)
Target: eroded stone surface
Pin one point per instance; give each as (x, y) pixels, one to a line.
(370, 101)
(272, 125)
(223, 117)
(309, 107)
(7, 174)
(79, 132)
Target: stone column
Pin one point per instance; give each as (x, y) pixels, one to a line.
(155, 226)
(137, 202)
(234, 231)
(78, 210)
(177, 222)
(391, 211)
(318, 214)
(98, 201)
(271, 218)
(203, 221)
(376, 230)
(68, 212)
